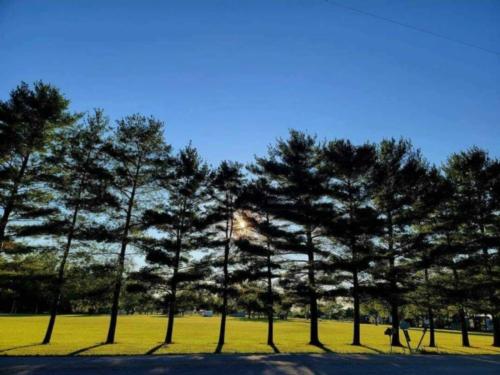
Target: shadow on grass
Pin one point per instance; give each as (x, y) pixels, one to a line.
(372, 349)
(155, 348)
(323, 347)
(274, 347)
(19, 347)
(76, 352)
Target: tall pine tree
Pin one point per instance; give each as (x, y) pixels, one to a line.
(29, 123)
(179, 220)
(398, 177)
(348, 169)
(138, 152)
(258, 254)
(292, 167)
(227, 182)
(474, 176)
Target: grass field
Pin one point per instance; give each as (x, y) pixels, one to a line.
(139, 334)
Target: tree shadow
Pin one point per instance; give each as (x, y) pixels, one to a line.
(76, 352)
(18, 347)
(323, 347)
(155, 348)
(274, 347)
(373, 349)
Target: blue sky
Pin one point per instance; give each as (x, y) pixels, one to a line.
(233, 75)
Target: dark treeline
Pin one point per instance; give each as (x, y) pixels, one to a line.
(106, 218)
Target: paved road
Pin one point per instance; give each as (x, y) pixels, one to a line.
(279, 364)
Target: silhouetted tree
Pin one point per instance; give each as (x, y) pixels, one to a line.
(256, 243)
(226, 184)
(29, 122)
(180, 220)
(474, 176)
(292, 167)
(421, 241)
(138, 153)
(78, 179)
(353, 224)
(398, 177)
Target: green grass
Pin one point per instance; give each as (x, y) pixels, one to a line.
(138, 334)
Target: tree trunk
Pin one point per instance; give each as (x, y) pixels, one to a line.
(222, 332)
(394, 287)
(461, 313)
(121, 266)
(12, 199)
(432, 338)
(173, 287)
(464, 327)
(496, 331)
(356, 339)
(394, 308)
(270, 303)
(60, 277)
(430, 313)
(395, 324)
(314, 336)
(356, 336)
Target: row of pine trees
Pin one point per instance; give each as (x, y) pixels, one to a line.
(314, 220)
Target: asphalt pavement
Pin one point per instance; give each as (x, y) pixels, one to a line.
(277, 364)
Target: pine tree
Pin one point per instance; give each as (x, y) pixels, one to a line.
(227, 182)
(29, 122)
(421, 241)
(138, 152)
(398, 177)
(449, 255)
(78, 179)
(353, 224)
(292, 167)
(258, 255)
(180, 220)
(474, 176)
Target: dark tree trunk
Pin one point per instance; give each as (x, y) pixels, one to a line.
(394, 308)
(394, 300)
(464, 327)
(12, 199)
(432, 338)
(395, 324)
(356, 339)
(121, 266)
(116, 296)
(171, 315)
(356, 336)
(60, 277)
(430, 313)
(314, 336)
(270, 303)
(222, 332)
(496, 331)
(173, 296)
(461, 312)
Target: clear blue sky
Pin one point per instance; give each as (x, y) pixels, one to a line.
(233, 75)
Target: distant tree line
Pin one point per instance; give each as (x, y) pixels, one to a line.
(310, 224)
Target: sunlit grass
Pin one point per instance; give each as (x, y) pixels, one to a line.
(139, 334)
